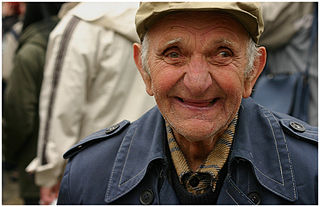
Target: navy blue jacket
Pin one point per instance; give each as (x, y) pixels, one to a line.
(273, 161)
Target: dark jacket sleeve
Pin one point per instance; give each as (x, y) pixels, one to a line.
(21, 100)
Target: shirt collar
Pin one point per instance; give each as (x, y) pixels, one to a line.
(213, 164)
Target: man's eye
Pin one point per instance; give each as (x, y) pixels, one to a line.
(224, 54)
(221, 57)
(173, 55)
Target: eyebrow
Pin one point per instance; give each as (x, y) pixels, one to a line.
(171, 42)
(224, 41)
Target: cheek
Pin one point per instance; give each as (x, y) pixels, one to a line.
(163, 81)
(231, 83)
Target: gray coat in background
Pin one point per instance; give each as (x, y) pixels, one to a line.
(287, 37)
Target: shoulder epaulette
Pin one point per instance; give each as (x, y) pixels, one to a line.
(96, 137)
(300, 129)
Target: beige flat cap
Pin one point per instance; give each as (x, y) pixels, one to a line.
(247, 13)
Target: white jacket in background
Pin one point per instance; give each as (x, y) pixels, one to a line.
(90, 81)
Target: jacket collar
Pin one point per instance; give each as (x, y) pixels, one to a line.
(267, 151)
(144, 143)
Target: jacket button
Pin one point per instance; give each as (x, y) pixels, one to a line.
(194, 181)
(112, 129)
(255, 197)
(146, 197)
(297, 127)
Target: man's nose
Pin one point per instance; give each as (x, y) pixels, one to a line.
(197, 77)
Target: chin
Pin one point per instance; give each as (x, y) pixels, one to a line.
(196, 131)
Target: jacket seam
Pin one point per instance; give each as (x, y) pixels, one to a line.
(125, 162)
(290, 164)
(113, 170)
(278, 155)
(310, 132)
(289, 160)
(232, 197)
(235, 187)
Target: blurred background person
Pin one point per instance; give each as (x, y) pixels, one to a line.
(12, 17)
(11, 14)
(291, 39)
(90, 82)
(21, 117)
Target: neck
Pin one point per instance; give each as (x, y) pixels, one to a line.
(195, 152)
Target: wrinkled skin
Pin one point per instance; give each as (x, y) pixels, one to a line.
(197, 62)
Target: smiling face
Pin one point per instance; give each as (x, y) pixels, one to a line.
(196, 62)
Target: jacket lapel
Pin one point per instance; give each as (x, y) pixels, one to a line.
(263, 144)
(141, 145)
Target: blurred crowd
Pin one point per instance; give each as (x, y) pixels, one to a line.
(68, 71)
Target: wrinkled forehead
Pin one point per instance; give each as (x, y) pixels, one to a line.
(198, 21)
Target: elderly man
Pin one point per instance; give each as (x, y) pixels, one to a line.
(206, 142)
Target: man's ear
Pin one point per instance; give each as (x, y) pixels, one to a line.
(258, 67)
(144, 74)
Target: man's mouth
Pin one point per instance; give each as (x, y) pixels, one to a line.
(198, 103)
